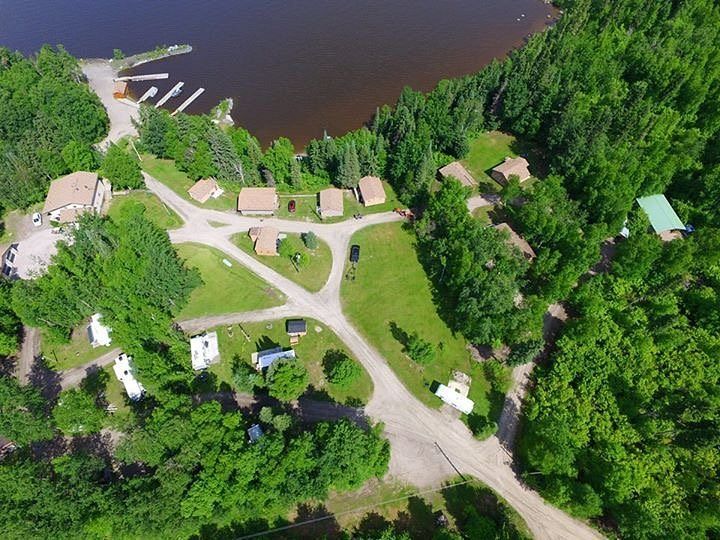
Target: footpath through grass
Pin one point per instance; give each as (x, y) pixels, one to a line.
(390, 297)
(165, 171)
(224, 289)
(155, 210)
(312, 276)
(311, 351)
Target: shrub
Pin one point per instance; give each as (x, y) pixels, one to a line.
(421, 351)
(341, 369)
(310, 240)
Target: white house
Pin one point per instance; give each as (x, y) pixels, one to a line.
(74, 194)
(124, 373)
(204, 350)
(98, 334)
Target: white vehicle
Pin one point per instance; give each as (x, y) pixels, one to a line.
(37, 219)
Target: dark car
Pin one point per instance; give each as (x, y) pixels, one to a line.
(354, 253)
(291, 205)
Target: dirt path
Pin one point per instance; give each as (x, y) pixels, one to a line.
(427, 446)
(100, 76)
(29, 351)
(74, 376)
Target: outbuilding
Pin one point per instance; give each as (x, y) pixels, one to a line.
(255, 433)
(512, 166)
(204, 190)
(265, 240)
(458, 171)
(663, 219)
(98, 334)
(331, 203)
(516, 240)
(258, 201)
(372, 191)
(120, 89)
(455, 399)
(264, 359)
(204, 350)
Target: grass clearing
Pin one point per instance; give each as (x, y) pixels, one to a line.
(311, 350)
(399, 507)
(391, 296)
(486, 151)
(165, 171)
(76, 352)
(155, 210)
(224, 289)
(313, 276)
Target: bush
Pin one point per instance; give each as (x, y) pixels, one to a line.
(246, 379)
(286, 249)
(282, 422)
(76, 413)
(421, 351)
(310, 240)
(287, 379)
(341, 369)
(527, 351)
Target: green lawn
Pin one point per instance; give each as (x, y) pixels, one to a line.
(305, 207)
(486, 151)
(312, 277)
(74, 353)
(311, 350)
(155, 209)
(390, 291)
(166, 172)
(405, 510)
(225, 289)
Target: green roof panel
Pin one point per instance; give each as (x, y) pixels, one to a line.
(661, 214)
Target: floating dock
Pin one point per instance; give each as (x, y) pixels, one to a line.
(188, 101)
(152, 92)
(167, 96)
(150, 77)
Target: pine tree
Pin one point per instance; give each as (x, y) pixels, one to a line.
(348, 173)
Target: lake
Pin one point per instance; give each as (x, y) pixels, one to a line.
(293, 68)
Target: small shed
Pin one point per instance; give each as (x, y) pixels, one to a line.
(205, 189)
(120, 89)
(458, 171)
(255, 433)
(372, 191)
(512, 166)
(663, 219)
(258, 201)
(296, 327)
(266, 240)
(98, 334)
(204, 350)
(516, 240)
(331, 203)
(264, 359)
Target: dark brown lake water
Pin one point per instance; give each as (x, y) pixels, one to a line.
(293, 67)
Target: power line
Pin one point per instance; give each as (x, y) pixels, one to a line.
(351, 511)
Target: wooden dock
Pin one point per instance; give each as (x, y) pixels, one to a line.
(169, 94)
(149, 77)
(152, 92)
(188, 101)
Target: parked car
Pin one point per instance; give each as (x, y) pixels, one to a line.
(37, 219)
(291, 206)
(354, 253)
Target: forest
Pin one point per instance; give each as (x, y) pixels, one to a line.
(618, 99)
